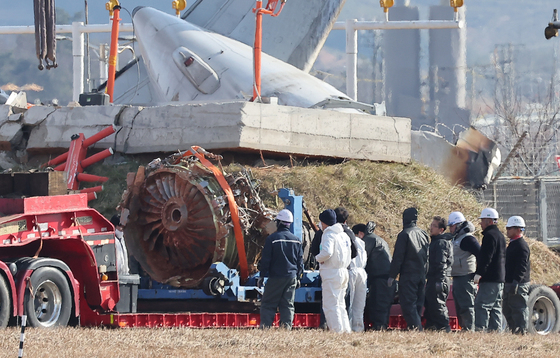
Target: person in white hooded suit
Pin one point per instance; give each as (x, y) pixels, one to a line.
(334, 258)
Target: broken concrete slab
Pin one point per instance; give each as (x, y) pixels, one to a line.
(5, 111)
(231, 125)
(15, 117)
(10, 135)
(37, 114)
(59, 126)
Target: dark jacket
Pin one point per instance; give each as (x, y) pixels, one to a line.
(353, 248)
(378, 256)
(282, 255)
(441, 256)
(491, 260)
(518, 262)
(411, 249)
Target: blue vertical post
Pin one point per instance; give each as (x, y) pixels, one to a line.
(294, 204)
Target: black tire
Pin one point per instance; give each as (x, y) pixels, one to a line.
(51, 303)
(5, 303)
(544, 310)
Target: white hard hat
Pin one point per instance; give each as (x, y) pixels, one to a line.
(489, 213)
(455, 218)
(515, 221)
(285, 215)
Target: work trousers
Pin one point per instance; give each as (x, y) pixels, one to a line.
(334, 285)
(280, 293)
(464, 292)
(357, 284)
(379, 301)
(488, 306)
(411, 296)
(435, 312)
(515, 307)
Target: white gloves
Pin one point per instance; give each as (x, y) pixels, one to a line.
(477, 278)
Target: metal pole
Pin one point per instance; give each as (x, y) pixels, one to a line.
(78, 63)
(351, 59)
(352, 25)
(88, 62)
(103, 72)
(22, 336)
(543, 211)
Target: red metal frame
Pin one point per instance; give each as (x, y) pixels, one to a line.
(74, 161)
(55, 227)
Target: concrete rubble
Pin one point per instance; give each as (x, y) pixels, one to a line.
(237, 125)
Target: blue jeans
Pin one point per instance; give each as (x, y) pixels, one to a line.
(488, 306)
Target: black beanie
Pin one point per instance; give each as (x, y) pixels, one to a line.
(328, 217)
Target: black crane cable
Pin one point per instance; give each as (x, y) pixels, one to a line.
(45, 33)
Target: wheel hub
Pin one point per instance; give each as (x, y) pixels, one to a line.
(48, 303)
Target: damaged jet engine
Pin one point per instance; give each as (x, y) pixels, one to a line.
(182, 214)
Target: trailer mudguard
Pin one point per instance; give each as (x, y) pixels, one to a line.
(26, 266)
(5, 270)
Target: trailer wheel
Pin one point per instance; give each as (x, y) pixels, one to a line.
(5, 303)
(51, 302)
(544, 310)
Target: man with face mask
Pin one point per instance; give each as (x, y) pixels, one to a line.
(410, 260)
(120, 246)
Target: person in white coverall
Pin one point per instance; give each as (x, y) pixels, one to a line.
(334, 259)
(357, 284)
(357, 277)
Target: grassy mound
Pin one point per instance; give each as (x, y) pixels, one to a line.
(369, 191)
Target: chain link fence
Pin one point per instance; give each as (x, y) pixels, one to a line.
(536, 200)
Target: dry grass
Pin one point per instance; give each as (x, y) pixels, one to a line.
(545, 264)
(371, 191)
(80, 342)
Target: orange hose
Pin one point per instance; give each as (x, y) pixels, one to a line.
(257, 48)
(244, 268)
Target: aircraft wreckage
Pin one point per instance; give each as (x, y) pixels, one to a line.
(182, 214)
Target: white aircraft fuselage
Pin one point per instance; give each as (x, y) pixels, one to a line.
(186, 63)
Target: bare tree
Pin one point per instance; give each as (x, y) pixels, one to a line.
(515, 114)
